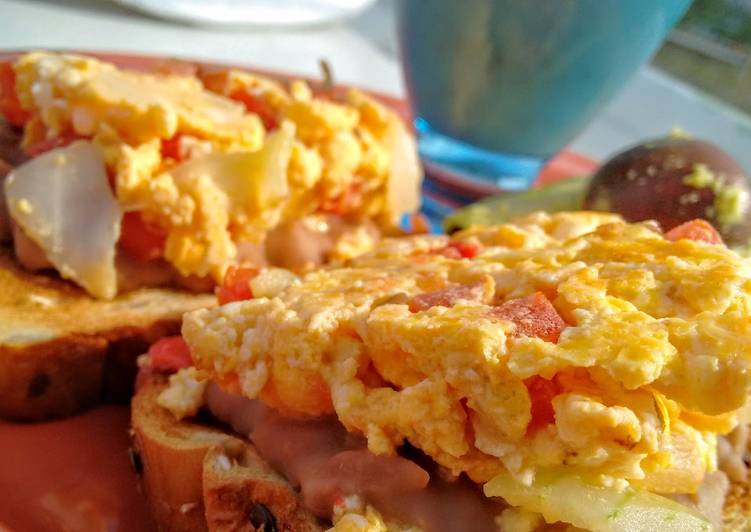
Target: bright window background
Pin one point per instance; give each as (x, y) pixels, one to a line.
(700, 81)
(711, 49)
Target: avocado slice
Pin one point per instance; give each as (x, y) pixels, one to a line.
(565, 195)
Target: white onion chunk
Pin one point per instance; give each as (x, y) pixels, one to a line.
(63, 201)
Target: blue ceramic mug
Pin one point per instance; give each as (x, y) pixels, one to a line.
(500, 86)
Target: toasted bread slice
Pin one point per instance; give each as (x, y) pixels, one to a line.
(172, 455)
(61, 350)
(198, 477)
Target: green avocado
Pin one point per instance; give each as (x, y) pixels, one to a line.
(565, 195)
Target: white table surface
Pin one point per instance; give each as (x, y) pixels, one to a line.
(362, 51)
(101, 25)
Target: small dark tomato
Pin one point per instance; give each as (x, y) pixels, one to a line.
(675, 180)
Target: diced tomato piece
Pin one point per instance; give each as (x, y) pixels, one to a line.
(447, 297)
(419, 224)
(171, 148)
(541, 393)
(533, 316)
(170, 354)
(236, 285)
(698, 230)
(348, 201)
(141, 239)
(339, 501)
(214, 79)
(10, 105)
(177, 67)
(460, 250)
(43, 146)
(256, 105)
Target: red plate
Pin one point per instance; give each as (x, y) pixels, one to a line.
(75, 475)
(71, 475)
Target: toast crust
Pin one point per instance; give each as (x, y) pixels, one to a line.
(242, 493)
(58, 378)
(171, 454)
(62, 351)
(197, 477)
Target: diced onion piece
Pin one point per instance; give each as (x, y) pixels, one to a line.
(253, 181)
(569, 499)
(62, 200)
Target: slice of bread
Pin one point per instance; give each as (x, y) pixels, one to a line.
(198, 477)
(62, 351)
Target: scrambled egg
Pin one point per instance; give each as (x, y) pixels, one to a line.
(351, 515)
(196, 157)
(184, 396)
(652, 364)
